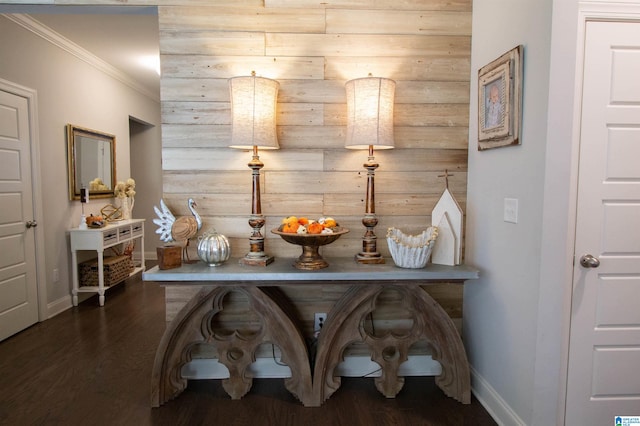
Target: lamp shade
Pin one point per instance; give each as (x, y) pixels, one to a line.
(370, 113)
(253, 112)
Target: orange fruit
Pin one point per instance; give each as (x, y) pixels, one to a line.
(330, 222)
(291, 228)
(315, 228)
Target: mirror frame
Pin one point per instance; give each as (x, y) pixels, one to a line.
(74, 133)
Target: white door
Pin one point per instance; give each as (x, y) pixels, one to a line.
(604, 347)
(18, 285)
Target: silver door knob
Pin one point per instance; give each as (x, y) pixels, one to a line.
(32, 224)
(588, 261)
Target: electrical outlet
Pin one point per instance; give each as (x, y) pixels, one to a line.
(318, 321)
(56, 275)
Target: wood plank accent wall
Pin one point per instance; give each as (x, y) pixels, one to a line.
(312, 48)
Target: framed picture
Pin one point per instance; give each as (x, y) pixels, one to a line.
(500, 101)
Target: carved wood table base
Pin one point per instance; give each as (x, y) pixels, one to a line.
(192, 326)
(344, 325)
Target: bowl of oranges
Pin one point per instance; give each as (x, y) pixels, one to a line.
(310, 234)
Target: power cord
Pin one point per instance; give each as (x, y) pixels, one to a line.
(372, 372)
(273, 352)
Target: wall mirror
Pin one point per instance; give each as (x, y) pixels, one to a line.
(92, 162)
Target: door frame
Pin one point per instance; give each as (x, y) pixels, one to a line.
(587, 12)
(41, 277)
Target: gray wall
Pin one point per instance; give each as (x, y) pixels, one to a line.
(516, 317)
(500, 316)
(69, 91)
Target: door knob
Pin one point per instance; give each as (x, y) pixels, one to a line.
(588, 261)
(32, 224)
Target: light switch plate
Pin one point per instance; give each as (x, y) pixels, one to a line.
(511, 210)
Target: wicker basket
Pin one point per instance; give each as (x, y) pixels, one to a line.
(411, 251)
(116, 269)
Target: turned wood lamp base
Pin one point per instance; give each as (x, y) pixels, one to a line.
(256, 261)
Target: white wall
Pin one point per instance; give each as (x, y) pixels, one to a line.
(501, 308)
(69, 91)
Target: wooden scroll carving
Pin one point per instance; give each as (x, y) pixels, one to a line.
(345, 325)
(236, 351)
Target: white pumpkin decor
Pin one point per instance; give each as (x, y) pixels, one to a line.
(213, 248)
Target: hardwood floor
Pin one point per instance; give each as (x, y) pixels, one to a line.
(92, 365)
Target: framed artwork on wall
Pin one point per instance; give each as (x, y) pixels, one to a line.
(500, 101)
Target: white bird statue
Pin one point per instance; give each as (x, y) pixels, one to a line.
(180, 230)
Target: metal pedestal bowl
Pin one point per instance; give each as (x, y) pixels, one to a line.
(310, 259)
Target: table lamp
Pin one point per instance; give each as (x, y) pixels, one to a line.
(369, 126)
(253, 126)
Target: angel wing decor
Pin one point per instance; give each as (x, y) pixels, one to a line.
(179, 230)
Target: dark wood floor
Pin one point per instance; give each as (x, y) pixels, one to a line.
(92, 365)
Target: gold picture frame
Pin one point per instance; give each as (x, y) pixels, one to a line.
(91, 159)
(500, 101)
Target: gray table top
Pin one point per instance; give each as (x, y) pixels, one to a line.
(282, 269)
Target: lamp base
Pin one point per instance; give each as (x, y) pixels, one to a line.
(83, 222)
(369, 258)
(253, 260)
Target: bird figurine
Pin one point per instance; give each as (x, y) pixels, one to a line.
(180, 229)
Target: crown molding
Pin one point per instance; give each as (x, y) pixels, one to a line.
(41, 30)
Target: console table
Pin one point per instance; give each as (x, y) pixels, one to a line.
(311, 382)
(99, 239)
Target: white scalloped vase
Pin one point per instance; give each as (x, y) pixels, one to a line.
(411, 251)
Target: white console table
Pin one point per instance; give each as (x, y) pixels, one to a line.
(99, 239)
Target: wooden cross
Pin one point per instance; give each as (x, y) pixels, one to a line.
(446, 178)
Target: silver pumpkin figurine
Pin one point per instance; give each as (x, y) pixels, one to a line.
(213, 248)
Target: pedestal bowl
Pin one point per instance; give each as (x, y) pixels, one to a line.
(310, 259)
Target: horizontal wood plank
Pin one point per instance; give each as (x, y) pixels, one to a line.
(196, 112)
(221, 183)
(399, 160)
(354, 182)
(423, 66)
(195, 89)
(409, 115)
(282, 44)
(300, 114)
(313, 91)
(207, 66)
(437, 92)
(241, 18)
(431, 115)
(196, 136)
(192, 159)
(460, 5)
(431, 137)
(398, 22)
(395, 206)
(313, 136)
(214, 43)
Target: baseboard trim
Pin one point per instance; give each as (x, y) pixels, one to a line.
(491, 400)
(58, 306)
(352, 366)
